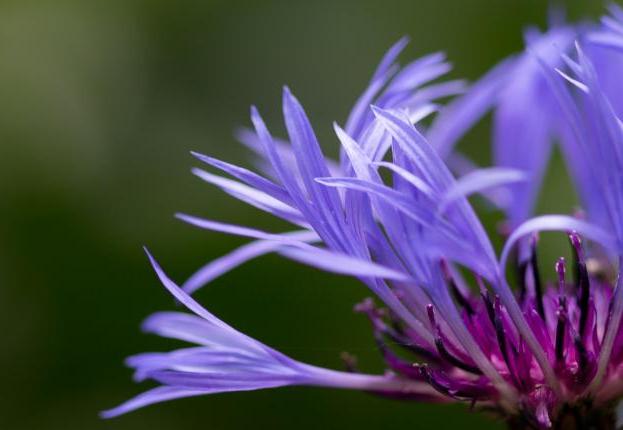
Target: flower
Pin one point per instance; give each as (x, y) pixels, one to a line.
(539, 355)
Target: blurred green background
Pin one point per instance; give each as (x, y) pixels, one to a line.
(101, 104)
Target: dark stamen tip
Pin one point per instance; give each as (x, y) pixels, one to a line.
(488, 305)
(496, 319)
(576, 242)
(538, 286)
(446, 355)
(582, 281)
(481, 285)
(561, 268)
(431, 314)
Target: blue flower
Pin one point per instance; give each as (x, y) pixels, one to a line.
(539, 354)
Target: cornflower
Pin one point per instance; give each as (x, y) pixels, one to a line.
(393, 212)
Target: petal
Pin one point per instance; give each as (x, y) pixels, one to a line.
(343, 264)
(226, 263)
(252, 179)
(355, 121)
(463, 112)
(156, 395)
(555, 223)
(189, 328)
(238, 230)
(480, 180)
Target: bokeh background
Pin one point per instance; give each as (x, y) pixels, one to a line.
(101, 104)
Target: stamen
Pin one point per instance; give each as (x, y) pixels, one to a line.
(433, 382)
(586, 362)
(499, 327)
(536, 276)
(484, 293)
(501, 338)
(582, 281)
(561, 269)
(561, 325)
(582, 353)
(393, 361)
(458, 295)
(443, 351)
(522, 269)
(561, 328)
(455, 389)
(368, 308)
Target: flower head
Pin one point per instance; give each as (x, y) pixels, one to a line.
(391, 213)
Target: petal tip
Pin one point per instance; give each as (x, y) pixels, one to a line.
(200, 156)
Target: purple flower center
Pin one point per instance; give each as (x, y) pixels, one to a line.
(569, 318)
